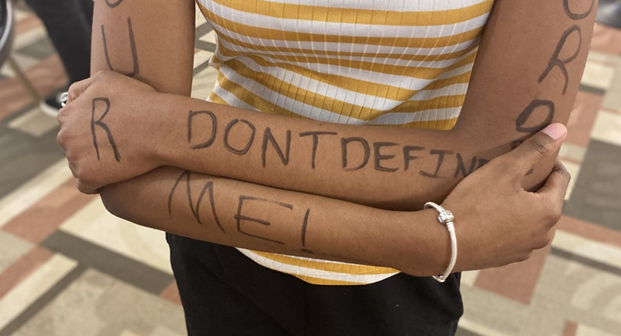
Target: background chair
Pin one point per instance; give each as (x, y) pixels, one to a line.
(6, 29)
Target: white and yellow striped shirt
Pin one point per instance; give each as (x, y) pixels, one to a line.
(401, 63)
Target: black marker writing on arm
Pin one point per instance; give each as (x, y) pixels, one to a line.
(132, 46)
(113, 4)
(461, 166)
(195, 207)
(441, 154)
(555, 61)
(304, 228)
(577, 16)
(315, 135)
(269, 137)
(378, 157)
(99, 122)
(227, 131)
(539, 106)
(239, 217)
(214, 128)
(344, 152)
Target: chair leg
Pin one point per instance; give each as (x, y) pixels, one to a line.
(19, 74)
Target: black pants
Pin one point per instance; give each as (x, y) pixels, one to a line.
(225, 293)
(68, 22)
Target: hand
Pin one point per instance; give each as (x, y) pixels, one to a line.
(497, 222)
(105, 132)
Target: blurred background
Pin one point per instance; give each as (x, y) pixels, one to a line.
(69, 268)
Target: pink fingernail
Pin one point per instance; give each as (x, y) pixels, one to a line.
(555, 131)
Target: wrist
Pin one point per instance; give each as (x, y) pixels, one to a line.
(159, 130)
(429, 245)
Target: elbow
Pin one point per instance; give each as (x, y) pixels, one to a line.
(112, 201)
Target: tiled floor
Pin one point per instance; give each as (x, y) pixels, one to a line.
(68, 268)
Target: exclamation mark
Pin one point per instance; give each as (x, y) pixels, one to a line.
(304, 225)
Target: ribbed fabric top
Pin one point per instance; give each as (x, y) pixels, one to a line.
(404, 63)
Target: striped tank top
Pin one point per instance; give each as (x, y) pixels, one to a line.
(402, 63)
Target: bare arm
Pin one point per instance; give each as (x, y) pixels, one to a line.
(527, 72)
(334, 229)
(241, 214)
(526, 76)
(226, 211)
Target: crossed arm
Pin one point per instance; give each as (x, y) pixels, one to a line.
(525, 77)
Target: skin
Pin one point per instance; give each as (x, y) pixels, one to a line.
(433, 161)
(152, 106)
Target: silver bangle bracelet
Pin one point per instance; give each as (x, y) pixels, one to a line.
(446, 217)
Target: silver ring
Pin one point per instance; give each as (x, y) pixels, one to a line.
(63, 98)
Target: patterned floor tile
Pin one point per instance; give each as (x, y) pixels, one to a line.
(597, 192)
(162, 331)
(574, 170)
(570, 329)
(22, 268)
(27, 38)
(12, 249)
(98, 305)
(31, 288)
(609, 256)
(24, 63)
(114, 264)
(203, 83)
(46, 76)
(606, 40)
(607, 127)
(40, 49)
(469, 278)
(603, 58)
(598, 75)
(490, 314)
(572, 153)
(201, 61)
(590, 231)
(27, 23)
(581, 293)
(171, 293)
(582, 118)
(584, 330)
(34, 123)
(23, 157)
(613, 100)
(19, 199)
(516, 281)
(45, 216)
(95, 224)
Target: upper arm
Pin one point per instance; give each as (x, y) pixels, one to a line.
(152, 41)
(529, 65)
(527, 72)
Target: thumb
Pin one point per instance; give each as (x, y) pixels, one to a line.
(539, 146)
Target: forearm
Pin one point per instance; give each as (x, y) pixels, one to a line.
(376, 166)
(240, 214)
(514, 93)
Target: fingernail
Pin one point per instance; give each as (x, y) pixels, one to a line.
(555, 131)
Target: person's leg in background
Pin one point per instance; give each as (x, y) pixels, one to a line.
(68, 23)
(87, 9)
